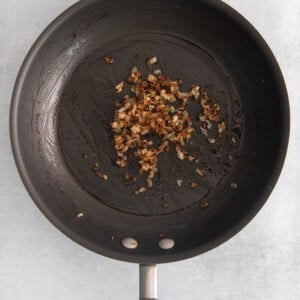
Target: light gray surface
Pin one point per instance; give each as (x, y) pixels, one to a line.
(38, 262)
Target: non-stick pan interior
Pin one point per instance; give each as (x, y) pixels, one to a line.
(65, 102)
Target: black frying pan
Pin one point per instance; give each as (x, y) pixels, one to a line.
(63, 104)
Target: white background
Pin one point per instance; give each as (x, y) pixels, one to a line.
(38, 262)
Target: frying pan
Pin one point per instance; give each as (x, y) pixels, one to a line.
(64, 101)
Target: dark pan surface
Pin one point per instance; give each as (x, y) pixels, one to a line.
(64, 102)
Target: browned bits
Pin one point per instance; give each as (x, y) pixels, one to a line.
(151, 61)
(200, 172)
(194, 185)
(151, 110)
(120, 86)
(221, 127)
(108, 59)
(141, 190)
(95, 169)
(204, 205)
(210, 111)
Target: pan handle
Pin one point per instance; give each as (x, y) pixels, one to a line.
(148, 282)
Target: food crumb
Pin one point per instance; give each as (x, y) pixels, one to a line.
(194, 185)
(105, 177)
(79, 215)
(234, 185)
(141, 190)
(204, 131)
(120, 86)
(212, 141)
(204, 204)
(162, 236)
(157, 72)
(200, 172)
(179, 182)
(233, 140)
(108, 59)
(151, 61)
(221, 127)
(113, 237)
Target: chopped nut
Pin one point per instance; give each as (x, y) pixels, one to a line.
(233, 140)
(80, 215)
(204, 204)
(120, 86)
(234, 185)
(209, 124)
(179, 152)
(150, 112)
(179, 182)
(151, 61)
(105, 177)
(201, 172)
(141, 190)
(108, 59)
(204, 131)
(194, 185)
(195, 91)
(149, 182)
(221, 127)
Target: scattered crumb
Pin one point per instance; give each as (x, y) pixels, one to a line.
(204, 131)
(141, 190)
(204, 204)
(179, 152)
(221, 127)
(212, 141)
(191, 158)
(113, 237)
(157, 72)
(234, 185)
(79, 215)
(149, 182)
(200, 172)
(233, 140)
(97, 165)
(194, 185)
(162, 236)
(151, 61)
(105, 177)
(108, 59)
(120, 86)
(209, 124)
(179, 182)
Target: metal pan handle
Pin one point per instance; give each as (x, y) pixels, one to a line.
(148, 282)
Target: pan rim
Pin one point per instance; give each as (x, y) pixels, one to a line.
(128, 256)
